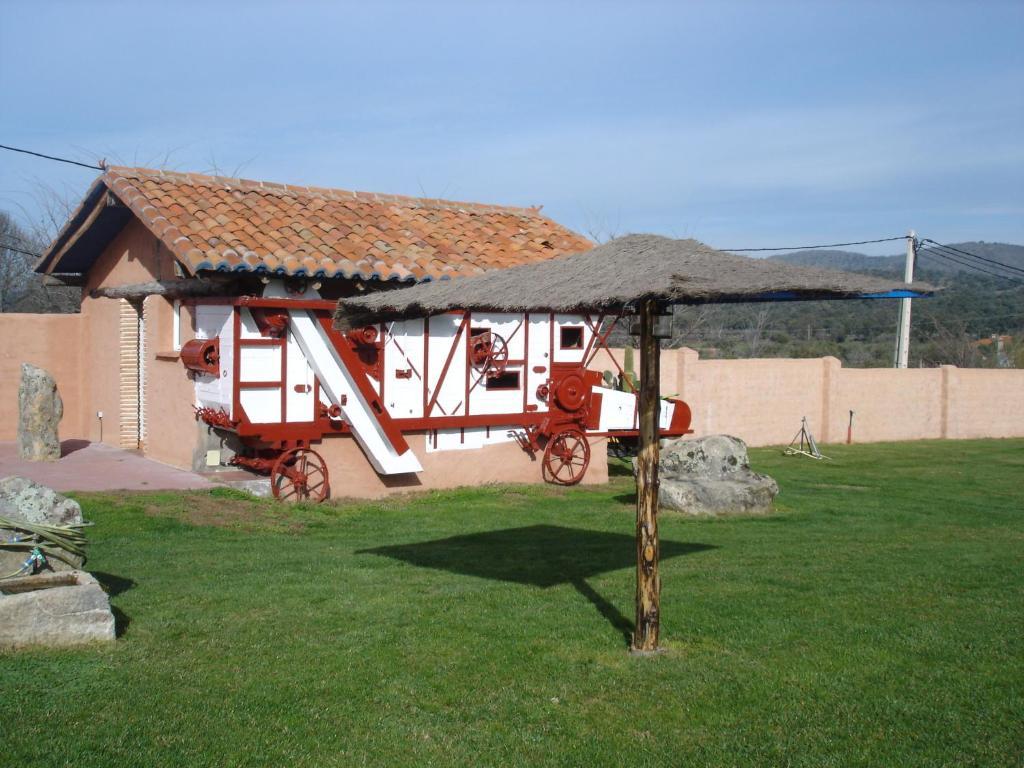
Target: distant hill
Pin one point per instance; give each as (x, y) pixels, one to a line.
(852, 261)
(970, 308)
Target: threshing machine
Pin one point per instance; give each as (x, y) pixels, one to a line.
(275, 372)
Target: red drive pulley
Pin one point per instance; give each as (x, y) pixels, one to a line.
(571, 393)
(366, 335)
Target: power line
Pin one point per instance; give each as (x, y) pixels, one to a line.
(951, 256)
(963, 263)
(974, 256)
(52, 157)
(810, 247)
(9, 247)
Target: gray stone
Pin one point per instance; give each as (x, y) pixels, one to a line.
(57, 609)
(39, 413)
(712, 476)
(23, 501)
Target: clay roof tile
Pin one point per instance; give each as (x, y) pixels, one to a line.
(206, 221)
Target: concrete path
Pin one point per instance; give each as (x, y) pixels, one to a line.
(86, 466)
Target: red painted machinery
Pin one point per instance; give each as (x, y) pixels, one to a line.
(274, 372)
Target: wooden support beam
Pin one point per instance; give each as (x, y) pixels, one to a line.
(170, 288)
(648, 581)
(63, 279)
(94, 214)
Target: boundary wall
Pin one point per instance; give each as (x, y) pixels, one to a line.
(763, 400)
(758, 400)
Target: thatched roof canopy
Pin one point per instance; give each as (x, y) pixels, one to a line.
(617, 276)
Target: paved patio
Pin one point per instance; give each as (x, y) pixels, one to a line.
(85, 466)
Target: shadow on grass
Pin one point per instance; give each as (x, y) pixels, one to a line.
(536, 555)
(619, 467)
(114, 586)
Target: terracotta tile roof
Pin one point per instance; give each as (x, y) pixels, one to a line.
(235, 224)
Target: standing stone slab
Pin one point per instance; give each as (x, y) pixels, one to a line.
(40, 410)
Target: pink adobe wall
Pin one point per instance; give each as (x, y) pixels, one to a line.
(136, 256)
(170, 432)
(82, 352)
(763, 400)
(986, 403)
(352, 475)
(887, 404)
(52, 342)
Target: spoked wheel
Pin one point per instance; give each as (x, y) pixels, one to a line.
(566, 458)
(488, 353)
(299, 475)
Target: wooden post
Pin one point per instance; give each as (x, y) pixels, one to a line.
(648, 582)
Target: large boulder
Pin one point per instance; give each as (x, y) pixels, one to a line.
(712, 476)
(39, 413)
(23, 501)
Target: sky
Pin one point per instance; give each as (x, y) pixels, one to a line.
(741, 124)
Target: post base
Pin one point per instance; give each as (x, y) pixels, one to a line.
(640, 652)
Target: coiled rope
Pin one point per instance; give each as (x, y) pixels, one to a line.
(43, 542)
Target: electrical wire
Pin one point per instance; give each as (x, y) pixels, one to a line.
(974, 256)
(9, 247)
(951, 255)
(52, 157)
(810, 247)
(963, 263)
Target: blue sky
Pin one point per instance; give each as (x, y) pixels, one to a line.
(744, 125)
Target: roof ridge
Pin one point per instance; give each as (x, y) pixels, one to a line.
(129, 173)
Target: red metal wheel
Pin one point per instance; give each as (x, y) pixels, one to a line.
(488, 352)
(566, 458)
(300, 475)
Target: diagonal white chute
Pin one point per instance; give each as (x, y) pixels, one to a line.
(337, 383)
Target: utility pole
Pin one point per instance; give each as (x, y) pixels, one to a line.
(903, 332)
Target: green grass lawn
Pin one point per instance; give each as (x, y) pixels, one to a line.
(876, 619)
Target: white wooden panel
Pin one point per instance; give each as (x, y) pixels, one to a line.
(539, 357)
(451, 399)
(403, 351)
(469, 438)
(262, 363)
(336, 381)
(618, 410)
(261, 404)
(507, 325)
(570, 355)
(247, 327)
(511, 328)
(299, 403)
(489, 401)
(215, 391)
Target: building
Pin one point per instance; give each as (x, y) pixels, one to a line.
(147, 243)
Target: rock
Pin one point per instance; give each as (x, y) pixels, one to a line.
(39, 413)
(712, 476)
(23, 501)
(58, 609)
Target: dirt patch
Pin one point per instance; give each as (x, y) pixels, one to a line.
(217, 511)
